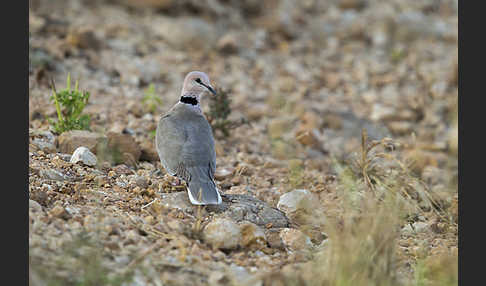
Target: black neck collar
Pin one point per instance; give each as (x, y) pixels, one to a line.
(188, 100)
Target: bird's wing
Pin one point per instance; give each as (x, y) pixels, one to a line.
(170, 136)
(198, 150)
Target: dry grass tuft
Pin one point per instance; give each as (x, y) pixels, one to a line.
(378, 195)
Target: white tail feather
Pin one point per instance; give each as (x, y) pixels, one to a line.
(199, 203)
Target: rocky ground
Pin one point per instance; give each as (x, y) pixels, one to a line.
(307, 77)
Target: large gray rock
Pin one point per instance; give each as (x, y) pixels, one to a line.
(247, 208)
(238, 208)
(53, 174)
(238, 222)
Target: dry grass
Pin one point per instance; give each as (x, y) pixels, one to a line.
(377, 197)
(296, 173)
(438, 270)
(361, 248)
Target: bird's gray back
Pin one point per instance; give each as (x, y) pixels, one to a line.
(185, 139)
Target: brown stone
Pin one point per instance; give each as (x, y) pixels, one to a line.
(84, 39)
(148, 152)
(59, 212)
(306, 137)
(71, 140)
(123, 148)
(294, 239)
(273, 239)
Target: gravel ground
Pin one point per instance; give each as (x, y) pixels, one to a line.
(307, 76)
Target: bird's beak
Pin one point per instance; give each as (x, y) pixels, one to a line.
(210, 88)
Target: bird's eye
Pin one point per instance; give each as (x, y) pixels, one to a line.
(198, 80)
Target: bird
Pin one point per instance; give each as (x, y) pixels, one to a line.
(185, 143)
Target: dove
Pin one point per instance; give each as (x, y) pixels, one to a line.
(185, 144)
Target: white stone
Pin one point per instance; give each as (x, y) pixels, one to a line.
(290, 202)
(420, 226)
(416, 228)
(84, 155)
(178, 200)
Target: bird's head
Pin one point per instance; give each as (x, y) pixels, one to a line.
(196, 83)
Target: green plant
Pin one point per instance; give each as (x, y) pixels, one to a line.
(397, 54)
(152, 133)
(219, 110)
(151, 100)
(73, 103)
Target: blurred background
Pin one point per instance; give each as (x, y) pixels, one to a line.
(392, 63)
(303, 79)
